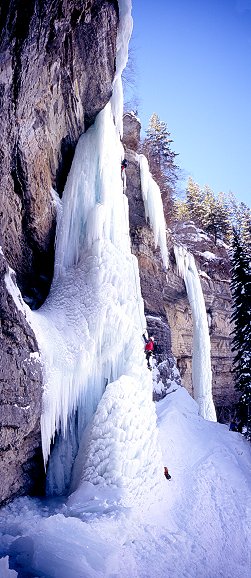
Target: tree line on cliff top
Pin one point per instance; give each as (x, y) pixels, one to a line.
(217, 214)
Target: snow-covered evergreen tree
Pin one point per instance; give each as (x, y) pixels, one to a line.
(207, 210)
(244, 223)
(215, 214)
(241, 292)
(156, 147)
(194, 202)
(181, 211)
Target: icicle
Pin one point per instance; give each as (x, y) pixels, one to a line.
(153, 207)
(123, 37)
(201, 365)
(119, 453)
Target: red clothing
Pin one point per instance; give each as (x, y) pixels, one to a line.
(149, 346)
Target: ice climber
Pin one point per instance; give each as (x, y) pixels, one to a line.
(166, 473)
(124, 164)
(149, 349)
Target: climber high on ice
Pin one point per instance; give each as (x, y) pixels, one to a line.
(124, 164)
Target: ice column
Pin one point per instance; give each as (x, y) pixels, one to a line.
(124, 34)
(153, 207)
(201, 364)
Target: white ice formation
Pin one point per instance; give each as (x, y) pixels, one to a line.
(123, 37)
(201, 363)
(153, 207)
(5, 571)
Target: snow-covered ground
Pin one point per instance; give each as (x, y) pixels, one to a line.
(197, 526)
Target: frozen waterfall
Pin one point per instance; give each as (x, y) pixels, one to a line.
(89, 330)
(153, 207)
(201, 364)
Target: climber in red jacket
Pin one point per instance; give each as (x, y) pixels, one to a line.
(149, 349)
(124, 164)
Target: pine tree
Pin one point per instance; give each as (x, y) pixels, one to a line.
(241, 317)
(194, 198)
(209, 212)
(240, 216)
(225, 227)
(157, 148)
(160, 154)
(181, 212)
(245, 224)
(206, 210)
(216, 217)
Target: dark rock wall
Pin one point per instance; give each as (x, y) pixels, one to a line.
(57, 64)
(20, 394)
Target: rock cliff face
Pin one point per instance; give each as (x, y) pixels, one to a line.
(57, 63)
(57, 66)
(164, 293)
(20, 395)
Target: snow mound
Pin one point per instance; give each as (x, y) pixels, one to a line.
(122, 449)
(208, 255)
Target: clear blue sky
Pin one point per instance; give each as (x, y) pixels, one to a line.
(193, 66)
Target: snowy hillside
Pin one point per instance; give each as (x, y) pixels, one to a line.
(199, 526)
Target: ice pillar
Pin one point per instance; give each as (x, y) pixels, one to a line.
(201, 362)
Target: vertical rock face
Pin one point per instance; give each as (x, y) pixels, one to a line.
(57, 64)
(20, 395)
(131, 135)
(166, 305)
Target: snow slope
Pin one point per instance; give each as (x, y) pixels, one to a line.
(197, 526)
